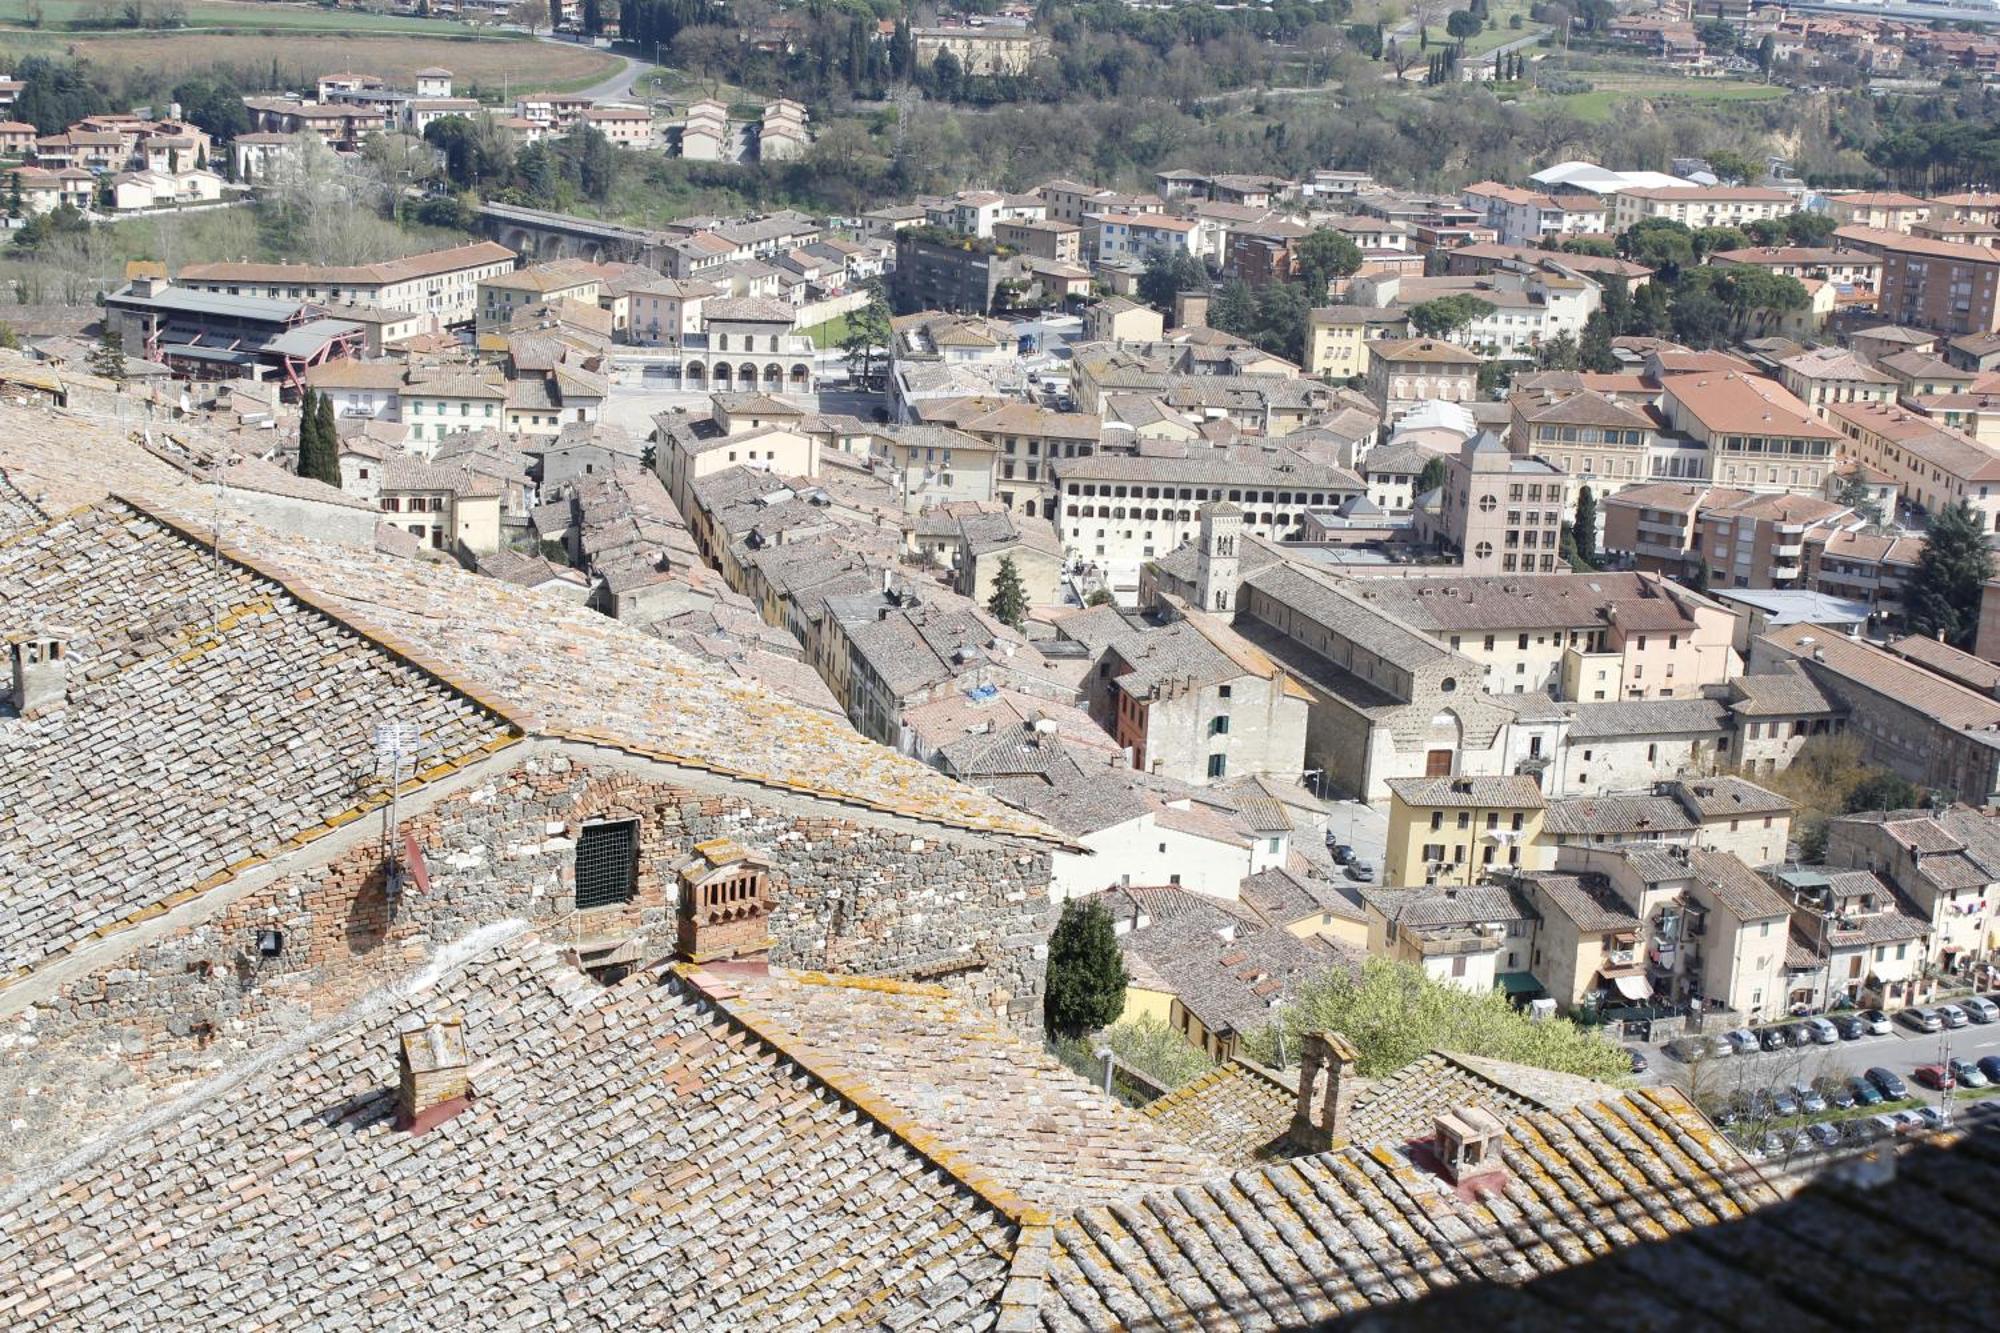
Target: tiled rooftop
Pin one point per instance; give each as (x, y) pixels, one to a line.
(634, 1154)
(1238, 1112)
(213, 716)
(1295, 1244)
(1014, 1113)
(523, 651)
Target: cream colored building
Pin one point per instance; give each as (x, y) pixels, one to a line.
(443, 284)
(980, 50)
(1500, 514)
(1454, 830)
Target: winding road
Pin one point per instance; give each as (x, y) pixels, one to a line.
(615, 87)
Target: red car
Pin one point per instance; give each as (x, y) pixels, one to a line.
(1935, 1076)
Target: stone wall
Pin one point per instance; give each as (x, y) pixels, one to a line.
(850, 893)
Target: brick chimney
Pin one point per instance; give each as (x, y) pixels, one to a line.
(1327, 1061)
(1467, 1142)
(725, 903)
(433, 1087)
(40, 661)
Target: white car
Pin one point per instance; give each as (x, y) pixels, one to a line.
(1876, 1022)
(1823, 1032)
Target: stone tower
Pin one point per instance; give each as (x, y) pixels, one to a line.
(1217, 575)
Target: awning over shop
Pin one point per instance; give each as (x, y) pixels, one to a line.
(1633, 987)
(1518, 983)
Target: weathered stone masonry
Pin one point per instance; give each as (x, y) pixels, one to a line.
(851, 893)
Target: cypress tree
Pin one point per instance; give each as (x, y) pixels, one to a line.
(1586, 526)
(309, 445)
(1086, 980)
(1009, 603)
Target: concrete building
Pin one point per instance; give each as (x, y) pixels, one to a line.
(1923, 725)
(443, 284)
(1946, 287)
(1120, 511)
(1338, 337)
(1498, 513)
(1699, 206)
(1758, 436)
(1457, 830)
(1946, 863)
(1403, 372)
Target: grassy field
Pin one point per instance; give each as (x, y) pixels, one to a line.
(481, 65)
(828, 334)
(1611, 93)
(87, 15)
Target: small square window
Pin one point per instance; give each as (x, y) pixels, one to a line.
(607, 864)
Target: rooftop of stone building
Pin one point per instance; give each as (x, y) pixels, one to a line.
(660, 1145)
(222, 684)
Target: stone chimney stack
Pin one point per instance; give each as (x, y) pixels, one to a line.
(40, 663)
(1327, 1084)
(433, 1087)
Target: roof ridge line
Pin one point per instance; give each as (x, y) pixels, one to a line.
(727, 1001)
(528, 724)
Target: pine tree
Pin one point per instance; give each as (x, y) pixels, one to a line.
(1086, 979)
(1009, 602)
(1586, 527)
(1944, 592)
(108, 357)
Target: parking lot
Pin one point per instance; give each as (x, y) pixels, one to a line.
(1746, 1084)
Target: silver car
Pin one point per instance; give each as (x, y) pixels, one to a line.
(1823, 1032)
(1742, 1040)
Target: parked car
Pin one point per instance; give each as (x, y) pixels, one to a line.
(1342, 853)
(1935, 1076)
(1953, 1016)
(1821, 1030)
(1929, 1117)
(1863, 1129)
(1849, 1026)
(1965, 1073)
(1639, 1062)
(1923, 1020)
(1743, 1040)
(1773, 1038)
(1887, 1084)
(1772, 1146)
(1865, 1093)
(1783, 1104)
(1803, 1142)
(1980, 1009)
(1809, 1099)
(1902, 1122)
(1876, 1022)
(1360, 871)
(1824, 1134)
(1989, 1065)
(1840, 1096)
(1689, 1049)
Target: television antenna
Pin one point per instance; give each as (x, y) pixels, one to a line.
(396, 747)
